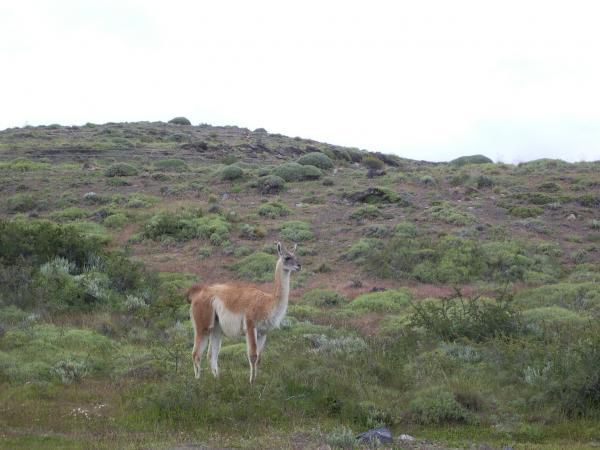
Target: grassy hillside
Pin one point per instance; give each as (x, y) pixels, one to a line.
(456, 302)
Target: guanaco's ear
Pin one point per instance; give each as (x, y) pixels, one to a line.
(279, 249)
(295, 247)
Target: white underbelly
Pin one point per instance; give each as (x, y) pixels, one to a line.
(232, 324)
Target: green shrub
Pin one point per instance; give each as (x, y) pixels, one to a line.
(289, 171)
(316, 159)
(118, 182)
(549, 186)
(297, 172)
(363, 249)
(324, 298)
(461, 352)
(180, 121)
(454, 260)
(405, 230)
(259, 266)
(437, 405)
(553, 319)
(186, 225)
(533, 224)
(377, 195)
(44, 351)
(271, 184)
(477, 319)
(356, 155)
(92, 198)
(323, 344)
(126, 276)
(22, 203)
(12, 316)
(118, 220)
(274, 210)
(525, 211)
(296, 231)
(39, 241)
(311, 173)
(69, 371)
(341, 437)
(171, 165)
(59, 290)
(138, 200)
(460, 179)
(366, 212)
(446, 213)
(474, 159)
(120, 170)
(231, 173)
(91, 230)
(248, 231)
(573, 296)
(69, 214)
(372, 162)
(542, 165)
(484, 182)
(23, 165)
(511, 261)
(390, 301)
(573, 382)
(565, 373)
(535, 198)
(427, 180)
(376, 231)
(589, 201)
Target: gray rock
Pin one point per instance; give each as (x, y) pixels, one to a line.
(382, 435)
(406, 437)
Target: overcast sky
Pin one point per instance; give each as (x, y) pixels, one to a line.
(514, 80)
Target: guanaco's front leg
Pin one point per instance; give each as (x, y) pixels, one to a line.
(252, 348)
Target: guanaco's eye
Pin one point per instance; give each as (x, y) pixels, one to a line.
(288, 258)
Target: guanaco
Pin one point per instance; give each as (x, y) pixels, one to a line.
(232, 309)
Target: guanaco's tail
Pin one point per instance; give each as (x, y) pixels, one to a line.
(193, 290)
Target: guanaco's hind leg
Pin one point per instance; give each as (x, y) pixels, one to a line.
(215, 347)
(252, 348)
(260, 343)
(200, 343)
(201, 314)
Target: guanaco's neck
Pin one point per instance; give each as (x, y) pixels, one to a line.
(282, 283)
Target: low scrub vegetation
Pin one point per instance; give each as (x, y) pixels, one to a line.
(186, 225)
(297, 172)
(473, 159)
(446, 213)
(259, 266)
(180, 121)
(476, 319)
(120, 170)
(231, 172)
(296, 231)
(316, 159)
(95, 337)
(274, 210)
(454, 260)
(171, 165)
(393, 300)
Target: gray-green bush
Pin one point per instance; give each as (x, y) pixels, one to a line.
(120, 170)
(316, 159)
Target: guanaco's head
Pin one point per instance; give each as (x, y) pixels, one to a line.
(289, 260)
